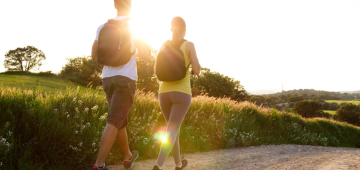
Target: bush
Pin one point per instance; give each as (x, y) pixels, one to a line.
(46, 73)
(349, 113)
(333, 106)
(83, 70)
(295, 99)
(57, 131)
(326, 106)
(214, 84)
(309, 109)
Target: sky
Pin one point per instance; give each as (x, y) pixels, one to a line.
(300, 44)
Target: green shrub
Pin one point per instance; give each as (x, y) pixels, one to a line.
(310, 109)
(63, 130)
(349, 113)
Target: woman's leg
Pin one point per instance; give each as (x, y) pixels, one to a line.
(165, 105)
(180, 105)
(176, 151)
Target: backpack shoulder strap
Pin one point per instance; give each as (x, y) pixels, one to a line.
(118, 23)
(181, 42)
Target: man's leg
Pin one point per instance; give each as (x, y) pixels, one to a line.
(122, 140)
(106, 142)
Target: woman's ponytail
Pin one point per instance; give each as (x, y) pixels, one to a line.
(178, 26)
(176, 37)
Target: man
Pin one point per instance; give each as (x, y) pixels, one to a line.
(119, 86)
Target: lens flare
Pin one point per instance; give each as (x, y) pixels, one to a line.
(164, 140)
(161, 135)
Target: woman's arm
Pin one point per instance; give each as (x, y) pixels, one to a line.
(190, 50)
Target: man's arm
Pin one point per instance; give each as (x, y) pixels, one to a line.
(143, 49)
(94, 50)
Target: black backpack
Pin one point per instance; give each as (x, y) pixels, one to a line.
(170, 63)
(114, 43)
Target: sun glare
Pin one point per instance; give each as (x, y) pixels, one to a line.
(162, 136)
(153, 27)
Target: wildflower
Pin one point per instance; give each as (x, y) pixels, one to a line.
(94, 108)
(79, 101)
(77, 110)
(68, 116)
(0, 163)
(9, 133)
(80, 144)
(74, 99)
(95, 150)
(76, 132)
(88, 124)
(3, 141)
(83, 127)
(93, 144)
(86, 110)
(55, 110)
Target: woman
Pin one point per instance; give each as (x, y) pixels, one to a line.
(175, 97)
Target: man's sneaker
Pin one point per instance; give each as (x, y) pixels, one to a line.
(156, 168)
(128, 164)
(97, 168)
(184, 164)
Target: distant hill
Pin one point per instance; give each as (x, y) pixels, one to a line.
(357, 91)
(325, 95)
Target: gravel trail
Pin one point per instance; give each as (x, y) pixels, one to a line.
(270, 157)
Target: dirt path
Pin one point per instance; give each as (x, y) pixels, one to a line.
(266, 157)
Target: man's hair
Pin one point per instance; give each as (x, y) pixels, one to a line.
(122, 5)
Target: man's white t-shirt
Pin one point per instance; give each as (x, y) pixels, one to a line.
(129, 69)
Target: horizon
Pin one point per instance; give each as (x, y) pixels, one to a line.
(301, 44)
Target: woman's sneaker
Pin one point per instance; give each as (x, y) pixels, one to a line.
(156, 167)
(97, 168)
(184, 163)
(128, 164)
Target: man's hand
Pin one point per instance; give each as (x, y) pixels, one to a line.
(143, 49)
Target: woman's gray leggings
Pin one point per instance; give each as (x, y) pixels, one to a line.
(174, 106)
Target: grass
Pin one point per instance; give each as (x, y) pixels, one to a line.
(62, 129)
(330, 111)
(343, 101)
(30, 81)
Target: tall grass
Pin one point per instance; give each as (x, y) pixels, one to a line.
(40, 130)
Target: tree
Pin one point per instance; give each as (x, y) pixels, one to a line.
(257, 99)
(147, 80)
(269, 100)
(82, 70)
(217, 85)
(283, 98)
(24, 59)
(309, 109)
(325, 106)
(295, 98)
(349, 113)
